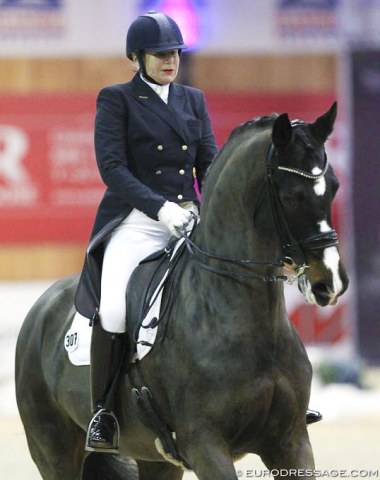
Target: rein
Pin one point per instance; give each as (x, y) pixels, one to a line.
(197, 253)
(294, 250)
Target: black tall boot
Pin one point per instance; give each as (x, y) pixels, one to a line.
(107, 353)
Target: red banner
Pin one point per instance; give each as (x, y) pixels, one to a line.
(49, 182)
(50, 186)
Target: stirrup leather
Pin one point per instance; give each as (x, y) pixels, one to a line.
(91, 445)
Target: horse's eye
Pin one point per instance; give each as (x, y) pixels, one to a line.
(289, 201)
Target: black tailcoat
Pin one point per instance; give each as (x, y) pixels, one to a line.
(147, 152)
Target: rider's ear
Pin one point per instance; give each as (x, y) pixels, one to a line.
(324, 124)
(282, 132)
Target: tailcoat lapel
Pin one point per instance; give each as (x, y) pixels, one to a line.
(167, 112)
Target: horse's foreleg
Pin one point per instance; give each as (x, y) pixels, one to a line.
(159, 471)
(55, 443)
(100, 466)
(294, 460)
(210, 459)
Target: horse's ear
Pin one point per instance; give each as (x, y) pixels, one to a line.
(282, 133)
(324, 124)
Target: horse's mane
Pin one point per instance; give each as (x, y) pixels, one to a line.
(257, 122)
(250, 127)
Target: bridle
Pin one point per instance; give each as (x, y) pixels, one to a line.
(294, 250)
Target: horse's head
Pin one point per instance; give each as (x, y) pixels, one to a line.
(302, 186)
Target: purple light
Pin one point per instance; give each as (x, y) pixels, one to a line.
(186, 15)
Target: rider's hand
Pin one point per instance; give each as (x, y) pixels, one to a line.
(174, 217)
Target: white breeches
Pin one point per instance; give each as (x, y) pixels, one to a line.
(133, 240)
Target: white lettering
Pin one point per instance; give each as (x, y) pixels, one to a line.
(16, 188)
(13, 146)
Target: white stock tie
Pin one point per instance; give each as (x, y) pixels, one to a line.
(158, 89)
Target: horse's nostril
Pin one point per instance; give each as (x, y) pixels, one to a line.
(321, 293)
(320, 287)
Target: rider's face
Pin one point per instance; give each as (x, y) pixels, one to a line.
(162, 66)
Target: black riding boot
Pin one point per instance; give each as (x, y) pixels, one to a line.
(107, 351)
(312, 416)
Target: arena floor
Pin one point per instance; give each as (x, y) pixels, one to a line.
(346, 444)
(345, 449)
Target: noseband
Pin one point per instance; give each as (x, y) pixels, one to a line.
(294, 250)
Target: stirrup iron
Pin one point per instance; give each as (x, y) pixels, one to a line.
(114, 447)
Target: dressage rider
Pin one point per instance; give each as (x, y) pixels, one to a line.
(152, 137)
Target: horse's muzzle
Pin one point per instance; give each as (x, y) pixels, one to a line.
(324, 290)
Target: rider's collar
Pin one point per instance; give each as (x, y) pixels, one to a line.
(161, 90)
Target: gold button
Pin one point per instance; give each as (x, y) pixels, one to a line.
(182, 171)
(184, 147)
(180, 197)
(160, 147)
(158, 172)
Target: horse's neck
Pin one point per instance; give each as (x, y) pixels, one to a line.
(239, 300)
(229, 225)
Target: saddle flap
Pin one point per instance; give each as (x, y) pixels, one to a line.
(147, 284)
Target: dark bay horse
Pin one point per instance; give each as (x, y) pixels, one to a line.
(231, 376)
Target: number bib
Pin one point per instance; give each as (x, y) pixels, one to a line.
(71, 340)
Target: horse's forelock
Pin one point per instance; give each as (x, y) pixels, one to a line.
(306, 150)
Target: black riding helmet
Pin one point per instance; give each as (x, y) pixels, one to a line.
(153, 32)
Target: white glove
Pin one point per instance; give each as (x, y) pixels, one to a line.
(174, 217)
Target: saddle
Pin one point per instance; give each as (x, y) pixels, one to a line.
(151, 280)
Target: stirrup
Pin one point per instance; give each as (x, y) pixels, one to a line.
(101, 448)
